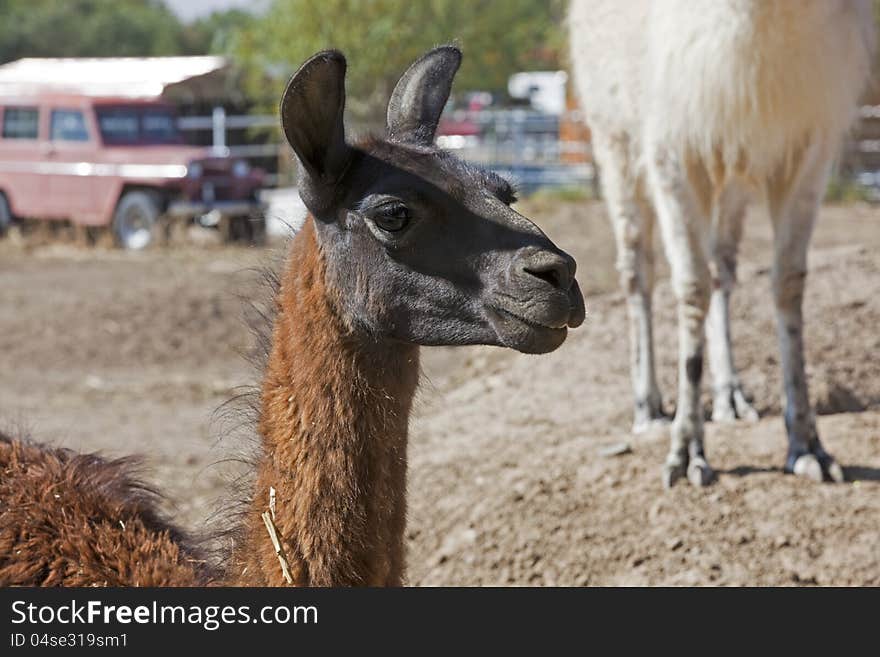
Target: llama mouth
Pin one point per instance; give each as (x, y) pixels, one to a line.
(526, 335)
(528, 322)
(574, 315)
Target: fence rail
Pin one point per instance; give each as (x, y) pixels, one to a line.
(522, 143)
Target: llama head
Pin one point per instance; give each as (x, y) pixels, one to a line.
(419, 246)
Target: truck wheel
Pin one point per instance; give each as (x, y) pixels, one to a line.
(5, 215)
(135, 220)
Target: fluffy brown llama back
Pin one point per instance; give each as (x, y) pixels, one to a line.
(334, 416)
(70, 519)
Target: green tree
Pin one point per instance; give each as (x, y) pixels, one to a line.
(90, 28)
(381, 37)
(216, 33)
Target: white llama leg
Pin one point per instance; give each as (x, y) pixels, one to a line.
(633, 221)
(793, 196)
(729, 400)
(684, 235)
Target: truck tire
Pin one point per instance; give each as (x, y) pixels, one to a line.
(136, 219)
(5, 215)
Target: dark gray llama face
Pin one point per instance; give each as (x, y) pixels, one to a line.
(421, 246)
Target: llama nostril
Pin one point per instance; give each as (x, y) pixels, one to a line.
(550, 268)
(549, 275)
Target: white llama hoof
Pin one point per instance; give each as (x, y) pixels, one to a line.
(818, 465)
(672, 472)
(700, 473)
(835, 472)
(731, 406)
(807, 466)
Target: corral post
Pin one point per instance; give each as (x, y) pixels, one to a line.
(218, 124)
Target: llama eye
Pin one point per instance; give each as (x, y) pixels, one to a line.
(393, 218)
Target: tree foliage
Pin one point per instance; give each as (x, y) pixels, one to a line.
(381, 37)
(89, 28)
(217, 33)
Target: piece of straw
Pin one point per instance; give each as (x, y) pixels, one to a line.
(279, 551)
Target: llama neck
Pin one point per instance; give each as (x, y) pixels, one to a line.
(335, 410)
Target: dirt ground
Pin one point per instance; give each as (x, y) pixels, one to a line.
(120, 352)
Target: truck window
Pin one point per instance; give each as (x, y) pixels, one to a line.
(20, 123)
(159, 127)
(131, 125)
(118, 126)
(68, 125)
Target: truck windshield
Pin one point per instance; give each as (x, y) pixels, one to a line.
(137, 125)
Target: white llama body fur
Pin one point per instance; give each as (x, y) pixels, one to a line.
(694, 107)
(752, 78)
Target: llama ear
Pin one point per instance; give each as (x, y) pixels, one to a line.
(312, 110)
(420, 96)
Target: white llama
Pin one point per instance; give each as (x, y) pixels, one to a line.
(694, 108)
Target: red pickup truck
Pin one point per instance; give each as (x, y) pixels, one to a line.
(117, 162)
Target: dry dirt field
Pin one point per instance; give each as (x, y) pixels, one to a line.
(122, 353)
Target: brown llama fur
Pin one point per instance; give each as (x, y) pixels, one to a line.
(334, 411)
(70, 519)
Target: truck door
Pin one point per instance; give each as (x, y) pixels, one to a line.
(71, 163)
(21, 176)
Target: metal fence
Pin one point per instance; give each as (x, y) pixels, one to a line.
(234, 135)
(523, 144)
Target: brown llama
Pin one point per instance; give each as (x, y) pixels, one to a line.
(70, 519)
(405, 245)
